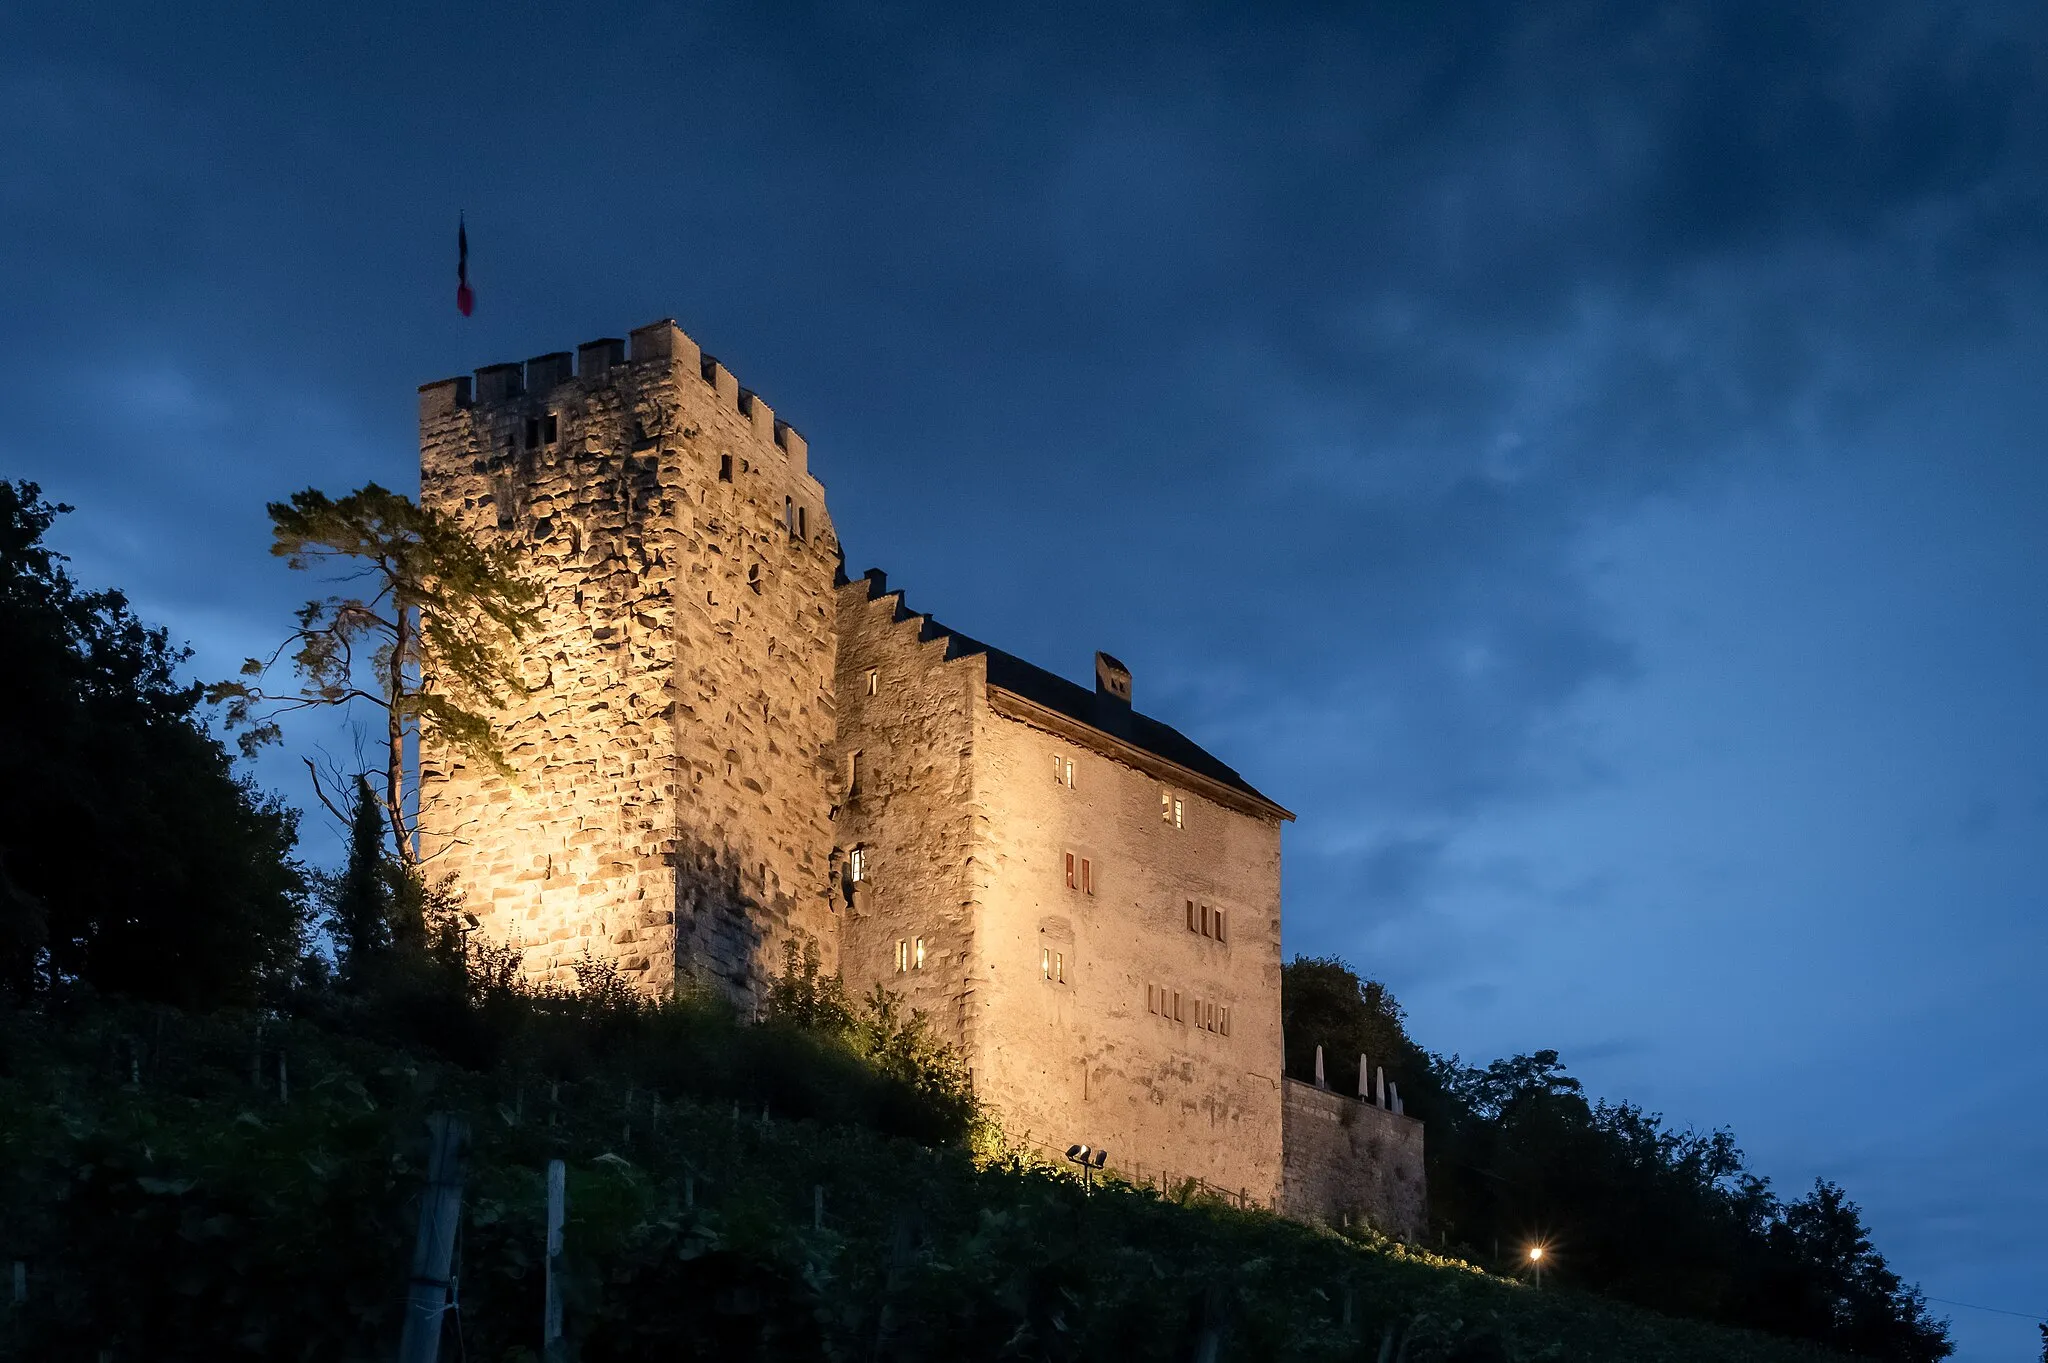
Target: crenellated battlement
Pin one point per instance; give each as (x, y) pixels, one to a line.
(663, 342)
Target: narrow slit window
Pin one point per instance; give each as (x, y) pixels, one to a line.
(1177, 814)
(874, 680)
(789, 514)
(902, 955)
(802, 531)
(1059, 967)
(725, 468)
(857, 863)
(1219, 925)
(1070, 871)
(1087, 877)
(1226, 1019)
(548, 429)
(1205, 920)
(1165, 807)
(1045, 961)
(1176, 1005)
(533, 433)
(917, 955)
(853, 773)
(1191, 915)
(1151, 999)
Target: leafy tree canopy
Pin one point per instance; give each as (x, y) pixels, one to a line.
(1626, 1206)
(131, 857)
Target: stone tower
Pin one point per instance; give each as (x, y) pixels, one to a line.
(670, 802)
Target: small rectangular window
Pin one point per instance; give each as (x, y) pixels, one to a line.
(1165, 807)
(1226, 1019)
(802, 531)
(1177, 814)
(917, 955)
(1071, 882)
(857, 863)
(1176, 1006)
(533, 433)
(1205, 920)
(1151, 999)
(1219, 925)
(1059, 967)
(902, 955)
(853, 773)
(548, 429)
(725, 468)
(1191, 915)
(874, 680)
(1045, 961)
(1087, 877)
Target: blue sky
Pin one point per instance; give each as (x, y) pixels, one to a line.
(1585, 459)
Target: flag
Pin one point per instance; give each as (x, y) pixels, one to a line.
(465, 300)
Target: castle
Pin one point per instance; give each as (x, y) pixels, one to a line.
(725, 745)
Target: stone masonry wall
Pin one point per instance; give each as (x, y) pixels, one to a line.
(1350, 1158)
(913, 813)
(1084, 1056)
(669, 804)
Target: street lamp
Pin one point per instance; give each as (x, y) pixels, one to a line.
(1090, 1158)
(1536, 1261)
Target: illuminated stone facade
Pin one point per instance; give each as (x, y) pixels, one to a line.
(725, 746)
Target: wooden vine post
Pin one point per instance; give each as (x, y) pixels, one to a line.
(428, 1291)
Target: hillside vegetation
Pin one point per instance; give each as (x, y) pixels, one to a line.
(235, 1187)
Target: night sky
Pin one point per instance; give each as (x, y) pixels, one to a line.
(1585, 459)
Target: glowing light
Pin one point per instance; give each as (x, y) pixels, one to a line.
(1535, 1253)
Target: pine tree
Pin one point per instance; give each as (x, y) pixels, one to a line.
(432, 643)
(358, 912)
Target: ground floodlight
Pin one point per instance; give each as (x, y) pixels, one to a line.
(1101, 1157)
(1077, 1153)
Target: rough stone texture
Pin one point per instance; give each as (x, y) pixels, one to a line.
(966, 833)
(1344, 1157)
(669, 808)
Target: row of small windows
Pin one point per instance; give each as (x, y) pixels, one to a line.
(1172, 808)
(1053, 965)
(1083, 878)
(1206, 1014)
(540, 430)
(1206, 920)
(909, 954)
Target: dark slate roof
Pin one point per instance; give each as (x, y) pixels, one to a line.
(1056, 693)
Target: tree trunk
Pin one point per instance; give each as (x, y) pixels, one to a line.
(394, 737)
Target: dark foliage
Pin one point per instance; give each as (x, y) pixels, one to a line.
(131, 858)
(1670, 1220)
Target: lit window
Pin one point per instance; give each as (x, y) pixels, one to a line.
(902, 955)
(1045, 961)
(917, 955)
(874, 680)
(1063, 772)
(1087, 877)
(1059, 967)
(1165, 807)
(857, 863)
(1177, 813)
(1070, 871)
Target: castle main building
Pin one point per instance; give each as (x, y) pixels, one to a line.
(725, 745)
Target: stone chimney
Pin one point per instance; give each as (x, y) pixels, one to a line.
(1112, 680)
